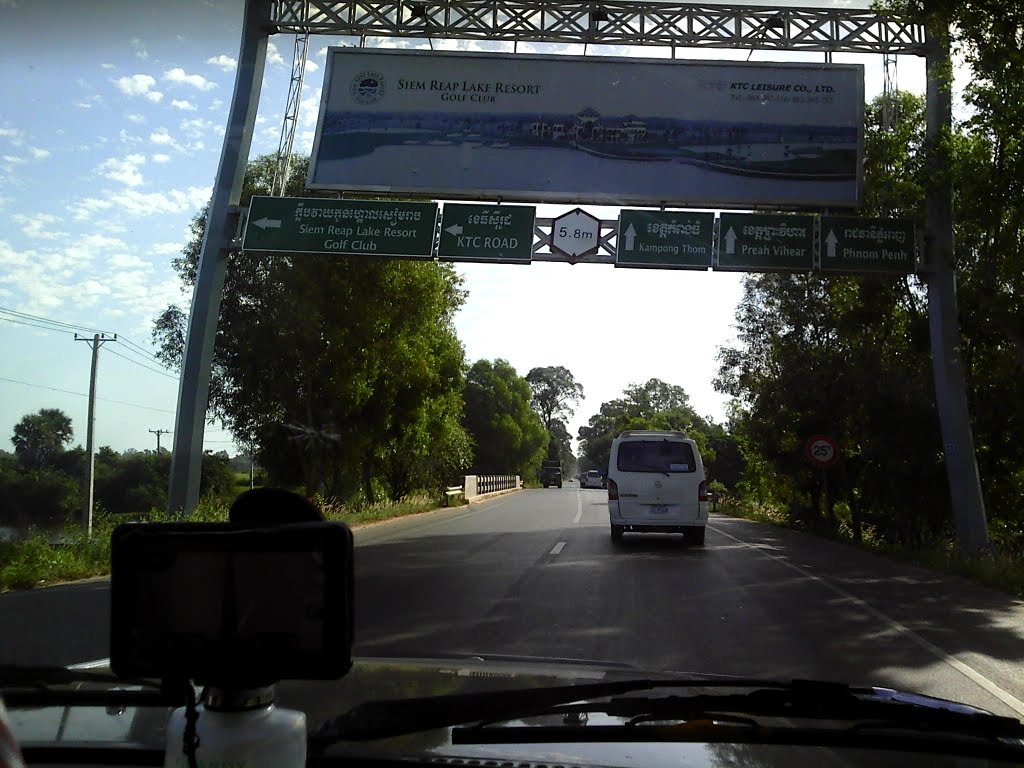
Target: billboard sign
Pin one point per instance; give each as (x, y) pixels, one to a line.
(590, 129)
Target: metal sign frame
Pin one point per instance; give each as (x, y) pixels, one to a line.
(602, 22)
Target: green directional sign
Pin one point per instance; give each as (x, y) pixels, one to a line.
(665, 239)
(488, 233)
(323, 225)
(850, 244)
(762, 242)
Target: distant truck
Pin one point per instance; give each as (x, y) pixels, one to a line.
(551, 474)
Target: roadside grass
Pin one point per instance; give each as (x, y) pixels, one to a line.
(997, 570)
(56, 556)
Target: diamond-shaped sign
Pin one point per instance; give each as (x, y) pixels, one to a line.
(576, 234)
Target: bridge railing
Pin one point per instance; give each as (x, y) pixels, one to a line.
(478, 485)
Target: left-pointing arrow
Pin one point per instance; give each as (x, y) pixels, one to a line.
(264, 223)
(455, 229)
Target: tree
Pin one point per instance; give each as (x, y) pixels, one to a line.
(40, 437)
(653, 405)
(508, 435)
(555, 391)
(329, 365)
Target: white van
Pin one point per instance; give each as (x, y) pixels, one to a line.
(656, 483)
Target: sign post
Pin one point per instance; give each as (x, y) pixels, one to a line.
(665, 239)
(324, 225)
(754, 242)
(487, 233)
(850, 244)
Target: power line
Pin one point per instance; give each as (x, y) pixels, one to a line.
(83, 394)
(72, 326)
(147, 357)
(142, 365)
(36, 325)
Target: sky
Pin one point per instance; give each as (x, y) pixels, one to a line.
(112, 120)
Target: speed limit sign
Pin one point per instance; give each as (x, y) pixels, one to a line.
(822, 450)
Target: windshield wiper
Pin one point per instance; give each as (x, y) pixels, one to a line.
(385, 719)
(859, 710)
(42, 686)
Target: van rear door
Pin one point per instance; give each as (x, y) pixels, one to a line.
(656, 473)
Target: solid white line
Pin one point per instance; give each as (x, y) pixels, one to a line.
(579, 506)
(558, 548)
(969, 672)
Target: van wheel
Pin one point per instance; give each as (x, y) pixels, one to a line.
(617, 533)
(694, 535)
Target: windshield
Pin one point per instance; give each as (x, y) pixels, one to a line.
(775, 256)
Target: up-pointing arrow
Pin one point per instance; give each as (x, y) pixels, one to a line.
(265, 222)
(630, 237)
(831, 241)
(454, 229)
(730, 241)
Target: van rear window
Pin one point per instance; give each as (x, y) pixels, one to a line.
(656, 456)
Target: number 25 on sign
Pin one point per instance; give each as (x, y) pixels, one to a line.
(822, 451)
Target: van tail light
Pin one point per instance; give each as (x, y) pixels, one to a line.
(702, 491)
(613, 490)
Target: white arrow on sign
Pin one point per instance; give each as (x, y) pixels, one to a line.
(730, 241)
(630, 237)
(831, 240)
(454, 229)
(265, 222)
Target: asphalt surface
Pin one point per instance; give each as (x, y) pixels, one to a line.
(535, 574)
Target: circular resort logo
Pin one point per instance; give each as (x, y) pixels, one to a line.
(368, 87)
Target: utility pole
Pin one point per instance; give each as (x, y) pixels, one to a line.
(95, 343)
(159, 432)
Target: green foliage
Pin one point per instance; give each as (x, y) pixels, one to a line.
(653, 405)
(555, 391)
(850, 357)
(40, 437)
(343, 372)
(38, 498)
(508, 434)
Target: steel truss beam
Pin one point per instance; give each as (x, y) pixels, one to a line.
(609, 22)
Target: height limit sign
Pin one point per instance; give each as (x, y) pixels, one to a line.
(576, 234)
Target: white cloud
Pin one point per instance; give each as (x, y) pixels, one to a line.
(89, 101)
(128, 261)
(165, 249)
(39, 154)
(39, 226)
(123, 169)
(139, 47)
(311, 66)
(12, 159)
(107, 65)
(223, 61)
(183, 104)
(322, 52)
(216, 104)
(163, 138)
(131, 202)
(274, 56)
(180, 76)
(159, 157)
(195, 127)
(139, 85)
(94, 242)
(13, 134)
(135, 117)
(128, 139)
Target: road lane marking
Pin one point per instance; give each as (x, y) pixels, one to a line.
(427, 526)
(969, 672)
(579, 506)
(558, 548)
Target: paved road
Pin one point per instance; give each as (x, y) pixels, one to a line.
(536, 574)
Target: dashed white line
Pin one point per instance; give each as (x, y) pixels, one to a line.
(558, 548)
(969, 672)
(579, 506)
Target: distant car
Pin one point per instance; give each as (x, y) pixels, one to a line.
(592, 479)
(656, 483)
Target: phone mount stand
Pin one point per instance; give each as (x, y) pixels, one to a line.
(240, 724)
